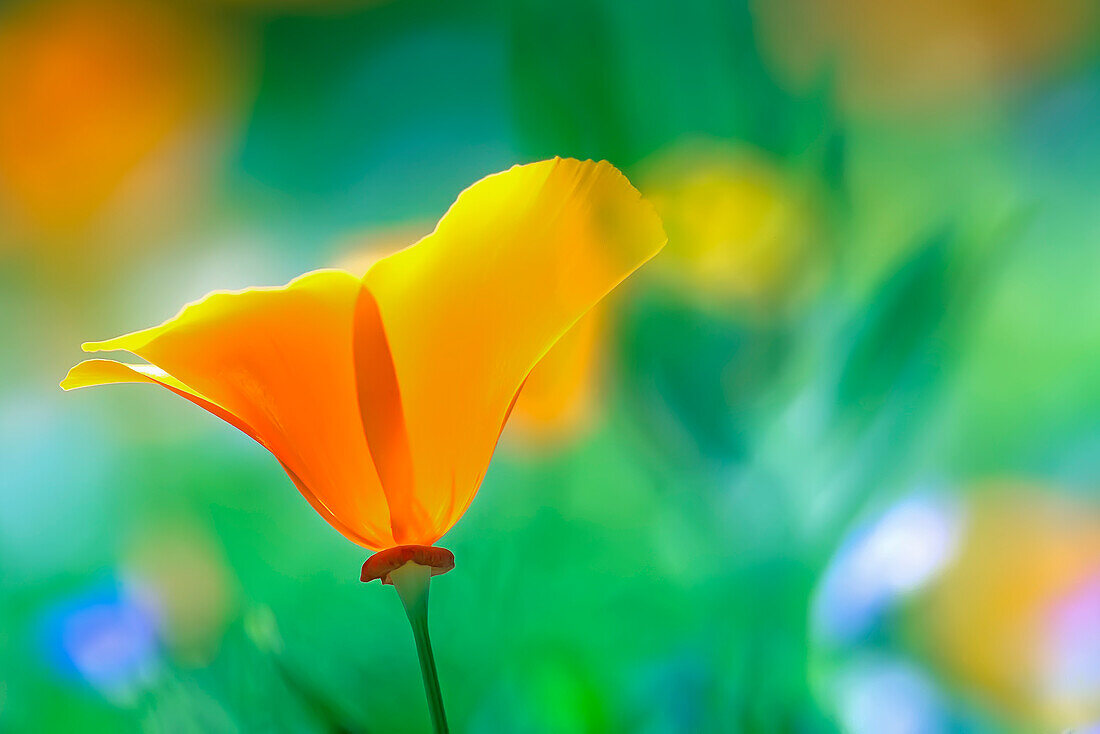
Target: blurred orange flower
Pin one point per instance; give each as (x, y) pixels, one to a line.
(903, 55)
(106, 102)
(560, 396)
(383, 396)
(996, 619)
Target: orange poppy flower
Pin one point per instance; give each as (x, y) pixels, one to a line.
(1013, 618)
(383, 396)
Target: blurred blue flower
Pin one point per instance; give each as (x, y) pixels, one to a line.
(104, 638)
(889, 696)
(883, 560)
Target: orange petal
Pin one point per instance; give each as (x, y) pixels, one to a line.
(279, 362)
(383, 418)
(471, 308)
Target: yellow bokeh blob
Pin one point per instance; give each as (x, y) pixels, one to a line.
(737, 227)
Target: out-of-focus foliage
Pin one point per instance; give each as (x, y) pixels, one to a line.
(829, 463)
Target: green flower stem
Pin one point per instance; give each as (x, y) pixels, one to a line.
(411, 583)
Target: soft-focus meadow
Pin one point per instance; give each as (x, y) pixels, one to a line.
(829, 463)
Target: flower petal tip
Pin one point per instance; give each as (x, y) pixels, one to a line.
(72, 380)
(383, 562)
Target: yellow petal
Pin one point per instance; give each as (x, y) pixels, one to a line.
(279, 362)
(92, 372)
(470, 309)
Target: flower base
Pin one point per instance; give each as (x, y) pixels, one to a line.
(382, 563)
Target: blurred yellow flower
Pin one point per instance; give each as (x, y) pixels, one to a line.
(179, 572)
(737, 228)
(998, 620)
(383, 396)
(104, 100)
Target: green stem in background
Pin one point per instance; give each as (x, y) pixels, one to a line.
(411, 583)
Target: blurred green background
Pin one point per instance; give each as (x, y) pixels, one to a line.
(829, 464)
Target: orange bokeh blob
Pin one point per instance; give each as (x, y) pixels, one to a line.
(96, 92)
